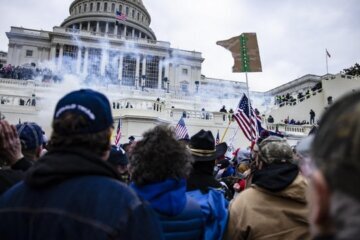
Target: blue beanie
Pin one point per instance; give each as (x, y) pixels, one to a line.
(92, 105)
(30, 134)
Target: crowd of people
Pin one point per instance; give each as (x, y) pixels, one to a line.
(289, 98)
(30, 72)
(77, 185)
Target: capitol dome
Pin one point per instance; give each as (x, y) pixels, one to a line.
(100, 16)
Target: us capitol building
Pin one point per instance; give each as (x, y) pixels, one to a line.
(110, 43)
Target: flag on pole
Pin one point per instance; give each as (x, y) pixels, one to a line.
(327, 53)
(120, 16)
(181, 130)
(217, 138)
(246, 120)
(118, 133)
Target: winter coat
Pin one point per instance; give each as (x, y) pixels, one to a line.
(180, 216)
(72, 194)
(276, 210)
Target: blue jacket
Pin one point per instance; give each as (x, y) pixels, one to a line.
(215, 211)
(59, 200)
(180, 216)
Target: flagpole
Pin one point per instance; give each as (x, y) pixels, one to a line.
(327, 66)
(224, 134)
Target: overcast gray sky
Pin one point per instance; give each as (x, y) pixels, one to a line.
(292, 34)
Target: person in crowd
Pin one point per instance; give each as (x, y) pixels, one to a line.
(312, 117)
(333, 169)
(131, 139)
(12, 162)
(72, 188)
(159, 167)
(119, 160)
(32, 140)
(270, 119)
(223, 110)
(203, 186)
(275, 205)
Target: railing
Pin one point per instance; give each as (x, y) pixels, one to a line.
(298, 100)
(289, 128)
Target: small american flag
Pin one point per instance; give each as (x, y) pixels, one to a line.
(120, 16)
(247, 121)
(217, 138)
(181, 130)
(118, 133)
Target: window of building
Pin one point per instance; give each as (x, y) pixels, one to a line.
(69, 56)
(85, 7)
(142, 18)
(133, 13)
(184, 85)
(120, 8)
(127, 11)
(105, 7)
(129, 70)
(80, 9)
(91, 7)
(138, 16)
(152, 72)
(113, 7)
(98, 6)
(29, 53)
(184, 71)
(94, 61)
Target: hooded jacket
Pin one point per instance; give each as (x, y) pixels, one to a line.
(274, 207)
(180, 216)
(71, 194)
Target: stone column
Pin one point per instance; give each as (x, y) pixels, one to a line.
(86, 61)
(125, 30)
(97, 27)
(78, 61)
(10, 54)
(133, 33)
(88, 26)
(160, 73)
(167, 69)
(116, 29)
(137, 77)
(120, 69)
(107, 28)
(144, 66)
(80, 26)
(53, 53)
(61, 52)
(104, 57)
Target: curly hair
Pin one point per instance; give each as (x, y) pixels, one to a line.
(159, 156)
(65, 135)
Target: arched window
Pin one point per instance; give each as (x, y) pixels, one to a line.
(120, 8)
(98, 7)
(138, 16)
(105, 7)
(113, 7)
(91, 7)
(133, 13)
(80, 9)
(127, 11)
(85, 7)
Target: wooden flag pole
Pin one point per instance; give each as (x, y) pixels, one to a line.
(223, 136)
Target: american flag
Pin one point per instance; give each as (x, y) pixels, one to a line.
(118, 133)
(120, 16)
(217, 138)
(181, 130)
(247, 121)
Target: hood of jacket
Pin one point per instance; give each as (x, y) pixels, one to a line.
(281, 180)
(60, 165)
(167, 197)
